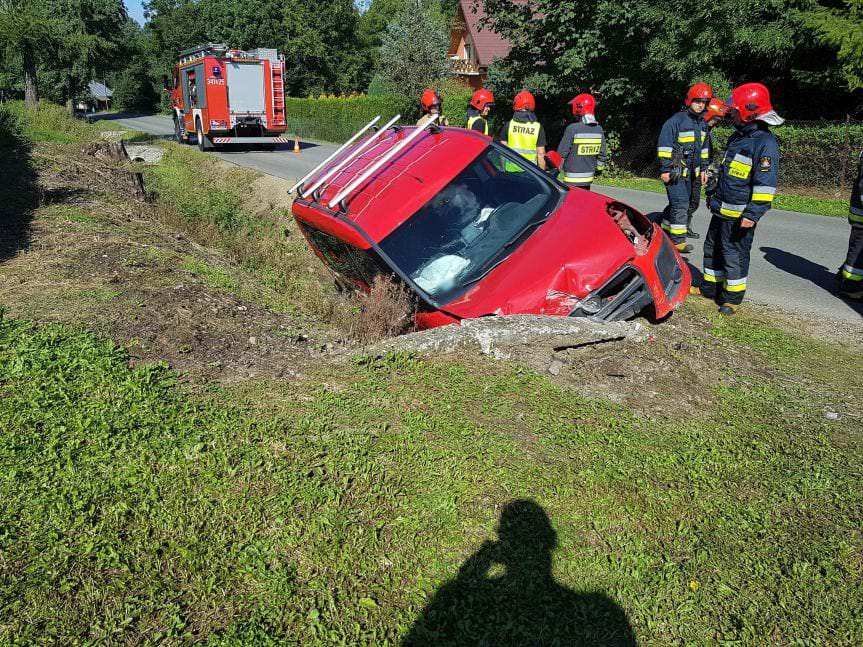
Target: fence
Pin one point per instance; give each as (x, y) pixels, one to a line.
(820, 155)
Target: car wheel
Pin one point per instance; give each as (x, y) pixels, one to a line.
(199, 135)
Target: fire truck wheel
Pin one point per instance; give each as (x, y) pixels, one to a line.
(203, 144)
(178, 132)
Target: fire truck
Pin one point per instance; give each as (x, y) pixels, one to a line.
(228, 96)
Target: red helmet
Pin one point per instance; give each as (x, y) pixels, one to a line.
(481, 99)
(699, 91)
(716, 109)
(583, 104)
(430, 98)
(554, 158)
(524, 101)
(750, 100)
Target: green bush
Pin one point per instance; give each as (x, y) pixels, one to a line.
(335, 119)
(10, 128)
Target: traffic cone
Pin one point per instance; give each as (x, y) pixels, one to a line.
(296, 144)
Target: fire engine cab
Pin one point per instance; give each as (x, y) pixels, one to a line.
(227, 96)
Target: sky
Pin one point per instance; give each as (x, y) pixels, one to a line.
(136, 10)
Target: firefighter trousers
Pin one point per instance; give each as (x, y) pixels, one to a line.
(674, 217)
(726, 259)
(851, 273)
(694, 199)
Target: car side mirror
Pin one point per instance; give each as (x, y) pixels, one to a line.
(166, 83)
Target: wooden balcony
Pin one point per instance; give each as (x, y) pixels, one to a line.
(463, 66)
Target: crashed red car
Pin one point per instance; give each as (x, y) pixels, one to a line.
(473, 230)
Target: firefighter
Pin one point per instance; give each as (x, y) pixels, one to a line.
(714, 113)
(746, 186)
(582, 146)
(481, 104)
(851, 273)
(523, 133)
(432, 104)
(683, 155)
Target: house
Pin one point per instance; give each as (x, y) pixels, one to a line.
(471, 49)
(98, 96)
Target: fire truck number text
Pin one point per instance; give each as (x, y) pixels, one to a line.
(215, 81)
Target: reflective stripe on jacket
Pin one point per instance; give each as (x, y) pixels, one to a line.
(583, 150)
(855, 214)
(523, 138)
(747, 178)
(684, 133)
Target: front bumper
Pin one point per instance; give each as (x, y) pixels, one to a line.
(660, 278)
(249, 140)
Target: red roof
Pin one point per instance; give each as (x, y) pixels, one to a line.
(489, 44)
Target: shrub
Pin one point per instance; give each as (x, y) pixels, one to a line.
(385, 311)
(10, 128)
(335, 119)
(50, 122)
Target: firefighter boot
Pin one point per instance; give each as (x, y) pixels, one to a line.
(727, 309)
(689, 232)
(684, 248)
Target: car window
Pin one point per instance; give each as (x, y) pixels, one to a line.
(477, 221)
(358, 266)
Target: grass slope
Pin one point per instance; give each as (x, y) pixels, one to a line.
(327, 511)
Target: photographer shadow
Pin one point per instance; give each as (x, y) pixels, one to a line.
(522, 604)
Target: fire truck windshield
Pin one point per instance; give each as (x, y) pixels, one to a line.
(472, 225)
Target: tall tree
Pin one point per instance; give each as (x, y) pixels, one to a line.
(413, 50)
(842, 28)
(28, 33)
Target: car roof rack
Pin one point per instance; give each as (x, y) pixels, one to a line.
(303, 191)
(386, 157)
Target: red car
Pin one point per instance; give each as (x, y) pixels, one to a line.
(473, 229)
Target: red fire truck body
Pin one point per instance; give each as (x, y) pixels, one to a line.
(228, 96)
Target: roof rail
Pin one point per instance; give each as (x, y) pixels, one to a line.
(356, 136)
(352, 155)
(386, 157)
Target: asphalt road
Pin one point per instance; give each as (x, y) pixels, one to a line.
(794, 256)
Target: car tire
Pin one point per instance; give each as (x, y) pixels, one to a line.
(203, 144)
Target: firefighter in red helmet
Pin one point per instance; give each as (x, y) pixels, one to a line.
(523, 133)
(582, 146)
(431, 105)
(714, 113)
(683, 153)
(745, 189)
(481, 104)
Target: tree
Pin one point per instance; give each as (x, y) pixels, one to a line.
(28, 32)
(413, 50)
(636, 53)
(842, 28)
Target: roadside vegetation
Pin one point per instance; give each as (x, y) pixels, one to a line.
(702, 487)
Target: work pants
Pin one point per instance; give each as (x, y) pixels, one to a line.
(675, 214)
(726, 259)
(694, 199)
(851, 273)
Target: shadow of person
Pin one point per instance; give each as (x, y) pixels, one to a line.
(18, 191)
(823, 277)
(505, 594)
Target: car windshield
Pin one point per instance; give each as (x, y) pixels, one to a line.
(471, 226)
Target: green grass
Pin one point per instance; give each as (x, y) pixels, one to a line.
(802, 204)
(328, 511)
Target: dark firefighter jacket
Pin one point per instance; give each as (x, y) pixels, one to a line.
(855, 216)
(582, 148)
(684, 137)
(747, 178)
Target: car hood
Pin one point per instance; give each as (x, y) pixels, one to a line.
(577, 250)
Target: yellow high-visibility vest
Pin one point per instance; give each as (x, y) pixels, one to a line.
(471, 121)
(522, 137)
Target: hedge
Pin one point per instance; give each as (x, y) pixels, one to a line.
(814, 155)
(335, 119)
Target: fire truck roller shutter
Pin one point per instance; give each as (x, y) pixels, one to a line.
(246, 87)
